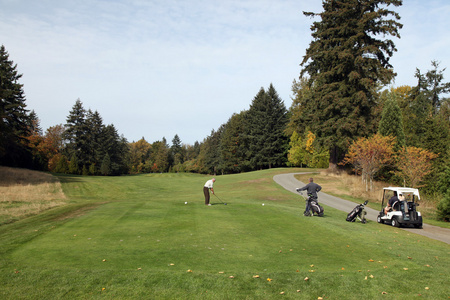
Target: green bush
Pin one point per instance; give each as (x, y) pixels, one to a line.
(443, 208)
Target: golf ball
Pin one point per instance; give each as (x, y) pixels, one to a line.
(185, 202)
(263, 204)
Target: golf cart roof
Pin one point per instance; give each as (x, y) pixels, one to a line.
(405, 190)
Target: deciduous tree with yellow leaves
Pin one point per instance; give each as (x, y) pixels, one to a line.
(369, 155)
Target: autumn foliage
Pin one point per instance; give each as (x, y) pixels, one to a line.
(414, 164)
(369, 155)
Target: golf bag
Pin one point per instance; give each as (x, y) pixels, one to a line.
(314, 207)
(358, 213)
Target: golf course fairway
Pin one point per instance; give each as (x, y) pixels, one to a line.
(133, 237)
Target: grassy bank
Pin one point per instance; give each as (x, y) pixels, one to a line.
(25, 193)
(134, 237)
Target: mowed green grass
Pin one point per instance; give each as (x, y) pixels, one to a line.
(133, 237)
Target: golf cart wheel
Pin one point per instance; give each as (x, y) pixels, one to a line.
(395, 222)
(418, 225)
(379, 220)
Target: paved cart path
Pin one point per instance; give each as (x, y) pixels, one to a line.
(290, 183)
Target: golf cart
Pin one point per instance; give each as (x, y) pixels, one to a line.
(403, 211)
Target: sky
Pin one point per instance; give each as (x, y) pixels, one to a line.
(162, 68)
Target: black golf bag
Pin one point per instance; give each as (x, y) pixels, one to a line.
(358, 213)
(314, 206)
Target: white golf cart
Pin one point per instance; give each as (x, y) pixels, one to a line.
(403, 211)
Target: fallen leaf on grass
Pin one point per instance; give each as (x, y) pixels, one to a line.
(371, 260)
(171, 264)
(221, 272)
(139, 269)
(342, 268)
(427, 266)
(311, 271)
(255, 276)
(298, 291)
(383, 293)
(104, 260)
(231, 277)
(406, 269)
(312, 266)
(281, 293)
(427, 288)
(189, 271)
(371, 276)
(306, 279)
(269, 279)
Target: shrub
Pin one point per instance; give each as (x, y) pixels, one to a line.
(443, 208)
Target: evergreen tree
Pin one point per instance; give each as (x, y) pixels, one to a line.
(346, 62)
(232, 143)
(105, 168)
(301, 92)
(75, 135)
(277, 143)
(431, 86)
(256, 131)
(94, 138)
(117, 149)
(391, 123)
(211, 153)
(265, 126)
(14, 119)
(177, 150)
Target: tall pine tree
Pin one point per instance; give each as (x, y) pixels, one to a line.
(14, 118)
(232, 144)
(76, 136)
(266, 123)
(346, 61)
(391, 123)
(256, 130)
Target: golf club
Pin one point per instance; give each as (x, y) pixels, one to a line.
(219, 199)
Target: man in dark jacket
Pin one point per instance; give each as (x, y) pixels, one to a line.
(390, 204)
(312, 188)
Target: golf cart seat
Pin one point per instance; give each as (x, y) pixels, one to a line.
(397, 206)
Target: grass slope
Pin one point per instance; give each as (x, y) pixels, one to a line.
(133, 237)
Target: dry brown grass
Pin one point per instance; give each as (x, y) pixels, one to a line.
(25, 192)
(344, 184)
